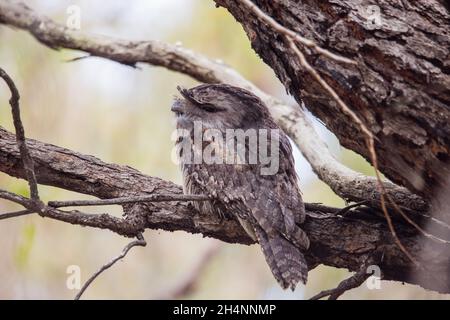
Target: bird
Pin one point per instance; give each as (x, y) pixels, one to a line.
(269, 206)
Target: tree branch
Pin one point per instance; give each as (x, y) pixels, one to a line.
(20, 135)
(125, 200)
(15, 214)
(354, 281)
(125, 227)
(139, 242)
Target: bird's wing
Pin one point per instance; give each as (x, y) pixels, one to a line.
(271, 201)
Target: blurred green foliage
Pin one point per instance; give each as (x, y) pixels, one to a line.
(23, 249)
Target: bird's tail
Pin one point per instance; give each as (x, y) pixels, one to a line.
(287, 263)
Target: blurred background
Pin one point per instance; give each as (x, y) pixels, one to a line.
(121, 115)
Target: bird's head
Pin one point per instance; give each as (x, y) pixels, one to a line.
(220, 106)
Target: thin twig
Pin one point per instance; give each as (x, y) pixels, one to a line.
(371, 145)
(139, 242)
(15, 214)
(124, 200)
(120, 226)
(20, 135)
(346, 209)
(291, 34)
(354, 281)
(437, 221)
(415, 225)
(320, 207)
(25, 202)
(313, 72)
(79, 58)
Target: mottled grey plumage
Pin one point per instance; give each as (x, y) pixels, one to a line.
(269, 207)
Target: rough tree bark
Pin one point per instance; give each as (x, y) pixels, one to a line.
(400, 86)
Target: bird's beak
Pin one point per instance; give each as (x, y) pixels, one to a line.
(178, 107)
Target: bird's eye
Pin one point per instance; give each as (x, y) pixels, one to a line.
(210, 108)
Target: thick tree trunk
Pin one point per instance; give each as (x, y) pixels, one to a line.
(400, 86)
